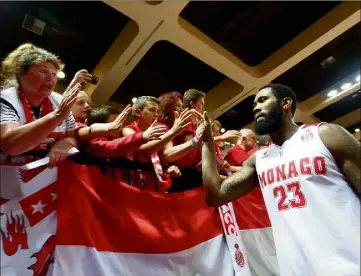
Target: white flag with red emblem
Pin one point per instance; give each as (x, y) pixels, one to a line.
(28, 220)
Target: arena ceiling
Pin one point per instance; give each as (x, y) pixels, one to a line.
(227, 49)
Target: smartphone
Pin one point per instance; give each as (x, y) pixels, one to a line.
(94, 80)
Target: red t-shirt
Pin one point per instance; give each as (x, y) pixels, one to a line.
(236, 156)
(145, 180)
(192, 158)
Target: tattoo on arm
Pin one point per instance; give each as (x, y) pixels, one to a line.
(229, 186)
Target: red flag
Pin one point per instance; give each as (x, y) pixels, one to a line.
(123, 230)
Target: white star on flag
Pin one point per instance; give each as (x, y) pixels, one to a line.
(55, 196)
(38, 207)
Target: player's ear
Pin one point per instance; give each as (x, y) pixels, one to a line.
(287, 103)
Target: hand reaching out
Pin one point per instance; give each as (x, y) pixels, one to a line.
(181, 121)
(174, 171)
(59, 152)
(81, 77)
(117, 125)
(67, 102)
(230, 134)
(154, 132)
(199, 132)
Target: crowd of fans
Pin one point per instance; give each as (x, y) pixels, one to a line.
(159, 151)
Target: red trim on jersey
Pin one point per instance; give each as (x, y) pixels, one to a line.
(309, 125)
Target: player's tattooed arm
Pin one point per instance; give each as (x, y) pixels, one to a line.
(241, 182)
(346, 150)
(219, 190)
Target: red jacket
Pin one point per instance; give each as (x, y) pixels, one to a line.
(107, 148)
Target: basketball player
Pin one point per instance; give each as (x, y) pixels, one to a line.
(310, 180)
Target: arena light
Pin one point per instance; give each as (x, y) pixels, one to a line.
(60, 75)
(358, 78)
(346, 86)
(332, 93)
(223, 130)
(357, 130)
(133, 100)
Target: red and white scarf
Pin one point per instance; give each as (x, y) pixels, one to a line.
(163, 179)
(45, 108)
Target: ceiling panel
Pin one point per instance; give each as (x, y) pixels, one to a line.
(164, 68)
(253, 30)
(308, 77)
(340, 108)
(240, 115)
(79, 32)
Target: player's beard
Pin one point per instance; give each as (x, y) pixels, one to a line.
(272, 121)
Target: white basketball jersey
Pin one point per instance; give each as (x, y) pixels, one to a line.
(315, 215)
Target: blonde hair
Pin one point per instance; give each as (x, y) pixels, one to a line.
(20, 60)
(216, 123)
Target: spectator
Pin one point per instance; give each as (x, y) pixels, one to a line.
(113, 145)
(246, 145)
(264, 141)
(195, 99)
(81, 108)
(216, 129)
(33, 117)
(192, 99)
(146, 112)
(170, 105)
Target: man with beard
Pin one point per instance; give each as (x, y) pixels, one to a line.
(310, 181)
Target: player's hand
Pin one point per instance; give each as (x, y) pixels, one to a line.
(207, 134)
(154, 132)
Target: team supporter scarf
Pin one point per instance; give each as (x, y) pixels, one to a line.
(163, 179)
(45, 108)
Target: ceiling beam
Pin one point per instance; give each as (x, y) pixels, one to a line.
(349, 119)
(162, 22)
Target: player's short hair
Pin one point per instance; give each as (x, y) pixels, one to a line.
(282, 91)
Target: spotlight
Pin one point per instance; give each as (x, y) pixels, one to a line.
(332, 93)
(61, 75)
(346, 86)
(357, 130)
(133, 100)
(223, 130)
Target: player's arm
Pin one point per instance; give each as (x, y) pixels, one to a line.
(346, 150)
(218, 191)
